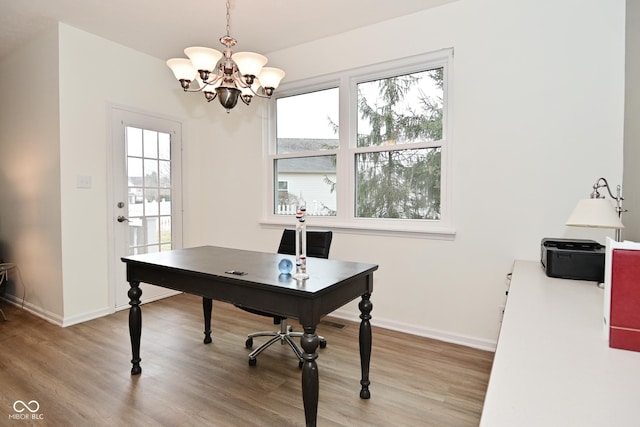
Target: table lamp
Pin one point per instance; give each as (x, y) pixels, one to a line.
(598, 212)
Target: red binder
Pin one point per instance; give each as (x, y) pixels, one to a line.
(624, 329)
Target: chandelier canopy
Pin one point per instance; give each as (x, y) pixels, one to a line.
(226, 75)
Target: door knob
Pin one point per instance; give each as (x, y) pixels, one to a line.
(122, 219)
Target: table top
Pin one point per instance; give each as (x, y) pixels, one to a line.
(553, 365)
(203, 271)
(261, 268)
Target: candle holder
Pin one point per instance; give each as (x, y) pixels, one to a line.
(301, 244)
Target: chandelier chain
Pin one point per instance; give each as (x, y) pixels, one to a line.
(228, 19)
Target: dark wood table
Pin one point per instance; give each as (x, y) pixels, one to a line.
(204, 271)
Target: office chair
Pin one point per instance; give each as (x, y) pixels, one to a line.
(318, 245)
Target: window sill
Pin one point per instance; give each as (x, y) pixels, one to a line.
(391, 228)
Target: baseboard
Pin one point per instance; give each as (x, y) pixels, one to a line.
(473, 342)
(167, 294)
(73, 320)
(86, 316)
(34, 309)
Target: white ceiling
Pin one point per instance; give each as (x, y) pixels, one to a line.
(163, 28)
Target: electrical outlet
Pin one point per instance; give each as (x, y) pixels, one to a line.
(83, 181)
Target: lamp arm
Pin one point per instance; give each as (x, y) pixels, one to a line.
(602, 183)
(598, 185)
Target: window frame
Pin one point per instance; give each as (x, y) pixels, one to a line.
(347, 82)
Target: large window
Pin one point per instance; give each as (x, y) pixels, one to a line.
(365, 148)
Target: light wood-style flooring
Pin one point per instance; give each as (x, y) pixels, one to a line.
(80, 375)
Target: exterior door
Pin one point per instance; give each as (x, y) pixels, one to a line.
(146, 208)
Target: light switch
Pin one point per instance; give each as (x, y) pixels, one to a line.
(83, 181)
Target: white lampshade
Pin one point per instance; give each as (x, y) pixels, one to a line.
(249, 63)
(182, 68)
(203, 58)
(270, 77)
(598, 213)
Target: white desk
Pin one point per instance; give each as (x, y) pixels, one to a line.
(553, 366)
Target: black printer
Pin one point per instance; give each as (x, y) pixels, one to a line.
(573, 259)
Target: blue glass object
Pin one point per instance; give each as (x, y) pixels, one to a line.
(285, 266)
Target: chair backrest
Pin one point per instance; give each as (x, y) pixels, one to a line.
(318, 243)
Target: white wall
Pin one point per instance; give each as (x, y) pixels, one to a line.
(94, 74)
(29, 174)
(631, 184)
(537, 117)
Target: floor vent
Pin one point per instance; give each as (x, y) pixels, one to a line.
(332, 324)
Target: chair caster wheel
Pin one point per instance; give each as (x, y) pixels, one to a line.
(249, 343)
(323, 343)
(252, 362)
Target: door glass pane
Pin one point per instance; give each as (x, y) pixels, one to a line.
(149, 189)
(164, 170)
(150, 173)
(150, 139)
(134, 142)
(164, 146)
(165, 229)
(165, 201)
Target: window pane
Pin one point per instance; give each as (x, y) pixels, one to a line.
(401, 109)
(310, 181)
(398, 184)
(307, 122)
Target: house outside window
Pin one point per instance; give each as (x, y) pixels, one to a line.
(365, 149)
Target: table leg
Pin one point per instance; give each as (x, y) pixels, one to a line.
(207, 307)
(310, 386)
(365, 344)
(135, 325)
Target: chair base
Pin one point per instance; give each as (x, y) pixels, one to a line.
(284, 335)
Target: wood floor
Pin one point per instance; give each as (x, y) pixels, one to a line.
(79, 375)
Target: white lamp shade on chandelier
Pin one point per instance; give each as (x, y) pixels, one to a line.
(226, 75)
(249, 63)
(203, 58)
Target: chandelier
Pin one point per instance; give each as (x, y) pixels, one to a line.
(226, 75)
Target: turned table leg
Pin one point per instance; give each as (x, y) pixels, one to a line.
(310, 386)
(365, 344)
(135, 325)
(207, 306)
